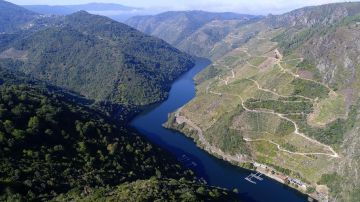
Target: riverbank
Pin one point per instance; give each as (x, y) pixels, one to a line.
(190, 129)
(215, 172)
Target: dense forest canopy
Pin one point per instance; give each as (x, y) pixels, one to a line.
(96, 57)
(50, 145)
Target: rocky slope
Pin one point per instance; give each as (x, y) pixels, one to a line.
(315, 15)
(287, 98)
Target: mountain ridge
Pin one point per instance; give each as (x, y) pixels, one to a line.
(117, 12)
(130, 57)
(69, 9)
(179, 28)
(14, 17)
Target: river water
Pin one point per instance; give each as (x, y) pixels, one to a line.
(215, 171)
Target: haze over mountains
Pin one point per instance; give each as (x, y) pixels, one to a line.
(114, 11)
(196, 32)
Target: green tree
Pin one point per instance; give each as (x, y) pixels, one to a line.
(2, 137)
(18, 134)
(33, 124)
(82, 146)
(8, 126)
(201, 190)
(112, 148)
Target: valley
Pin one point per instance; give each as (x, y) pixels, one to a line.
(214, 171)
(101, 103)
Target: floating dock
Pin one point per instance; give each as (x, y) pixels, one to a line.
(256, 176)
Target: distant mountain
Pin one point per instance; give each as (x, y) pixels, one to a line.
(100, 7)
(99, 58)
(14, 18)
(49, 10)
(180, 28)
(174, 26)
(114, 11)
(69, 9)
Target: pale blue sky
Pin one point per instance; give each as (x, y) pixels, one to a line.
(241, 6)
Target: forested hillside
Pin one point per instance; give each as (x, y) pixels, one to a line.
(97, 57)
(13, 18)
(50, 145)
(61, 79)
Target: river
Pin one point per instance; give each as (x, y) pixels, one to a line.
(215, 171)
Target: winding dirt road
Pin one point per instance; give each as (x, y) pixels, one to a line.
(282, 116)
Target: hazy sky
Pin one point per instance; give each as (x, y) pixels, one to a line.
(241, 6)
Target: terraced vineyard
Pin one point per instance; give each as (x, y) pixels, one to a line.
(256, 105)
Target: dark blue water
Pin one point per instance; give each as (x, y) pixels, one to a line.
(215, 171)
